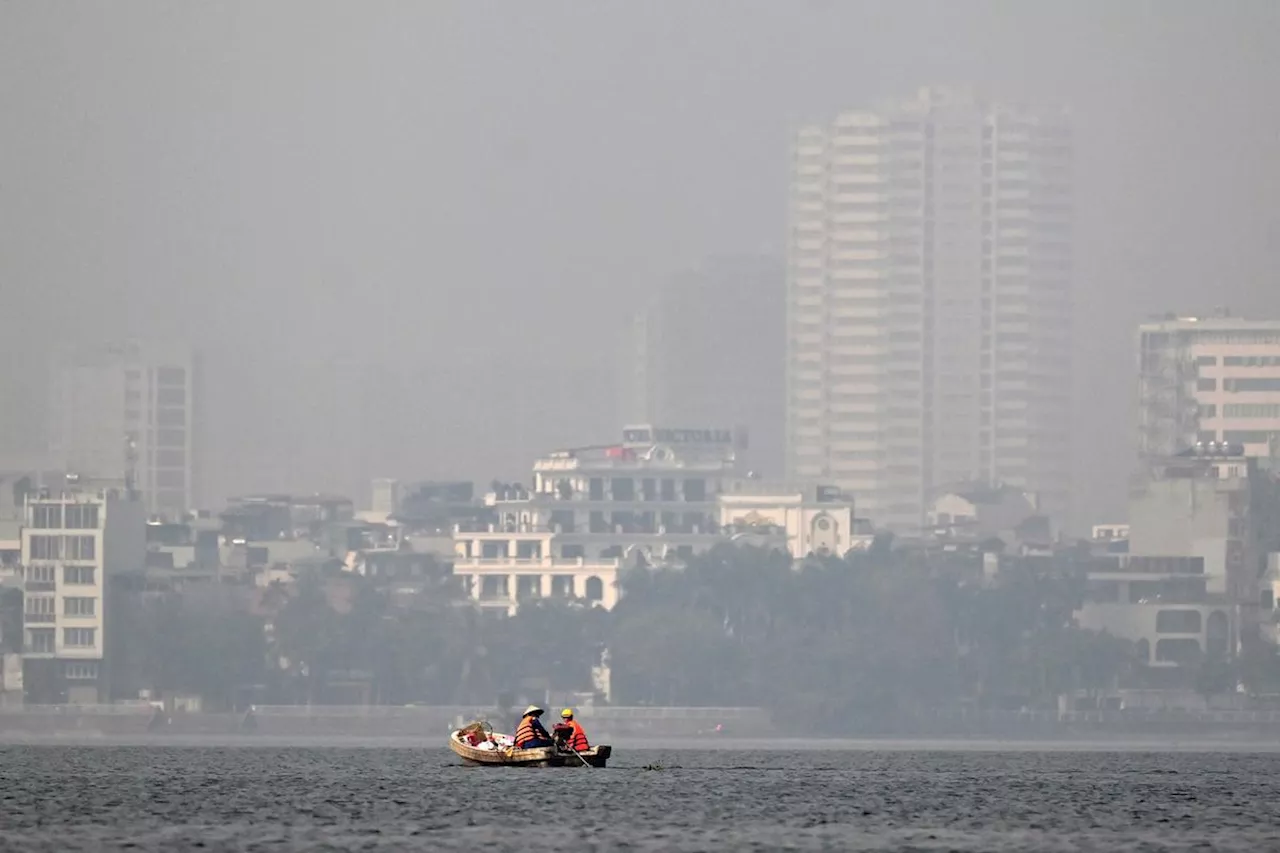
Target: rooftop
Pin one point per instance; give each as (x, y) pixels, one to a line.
(1214, 323)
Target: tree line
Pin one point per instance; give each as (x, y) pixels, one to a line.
(838, 643)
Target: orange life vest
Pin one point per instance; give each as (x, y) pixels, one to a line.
(578, 739)
(528, 731)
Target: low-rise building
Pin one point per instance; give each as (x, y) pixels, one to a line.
(504, 583)
(650, 497)
(975, 512)
(811, 520)
(1201, 526)
(1161, 603)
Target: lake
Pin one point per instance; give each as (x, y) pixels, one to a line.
(866, 797)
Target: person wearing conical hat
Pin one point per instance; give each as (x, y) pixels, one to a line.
(531, 734)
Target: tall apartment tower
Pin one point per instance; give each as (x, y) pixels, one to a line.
(1208, 379)
(929, 302)
(128, 411)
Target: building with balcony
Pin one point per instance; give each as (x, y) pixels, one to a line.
(657, 497)
(502, 584)
(1202, 524)
(651, 497)
(74, 543)
(929, 302)
(1161, 603)
(1209, 379)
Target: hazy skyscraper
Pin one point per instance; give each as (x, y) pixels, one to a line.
(707, 350)
(929, 302)
(128, 409)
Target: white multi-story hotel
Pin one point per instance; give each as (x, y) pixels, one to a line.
(649, 498)
(929, 302)
(72, 542)
(1209, 379)
(657, 496)
(128, 410)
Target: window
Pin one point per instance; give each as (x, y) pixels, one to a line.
(1251, 410)
(624, 489)
(39, 605)
(1178, 622)
(171, 459)
(171, 438)
(595, 589)
(1249, 436)
(1208, 361)
(81, 671)
(1252, 361)
(40, 641)
(170, 479)
(79, 547)
(40, 574)
(1182, 650)
(82, 517)
(46, 547)
(78, 575)
(1206, 385)
(171, 397)
(528, 587)
(170, 376)
(1246, 384)
(493, 587)
(79, 606)
(46, 517)
(171, 417)
(1208, 411)
(79, 638)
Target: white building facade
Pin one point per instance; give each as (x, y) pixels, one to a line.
(129, 410)
(815, 520)
(657, 497)
(72, 541)
(1209, 379)
(929, 302)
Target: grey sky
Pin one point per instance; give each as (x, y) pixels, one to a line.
(474, 192)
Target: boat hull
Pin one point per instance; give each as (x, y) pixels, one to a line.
(596, 756)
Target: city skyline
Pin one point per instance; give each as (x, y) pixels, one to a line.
(485, 255)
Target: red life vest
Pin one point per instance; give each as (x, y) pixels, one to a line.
(578, 739)
(528, 732)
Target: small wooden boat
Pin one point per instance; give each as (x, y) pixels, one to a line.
(495, 755)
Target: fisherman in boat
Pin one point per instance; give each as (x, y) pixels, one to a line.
(531, 734)
(569, 733)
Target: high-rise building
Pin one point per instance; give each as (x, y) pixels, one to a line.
(129, 411)
(929, 302)
(707, 350)
(1211, 379)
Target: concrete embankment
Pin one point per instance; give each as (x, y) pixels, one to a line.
(357, 722)
(430, 723)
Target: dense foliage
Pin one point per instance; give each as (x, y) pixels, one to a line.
(835, 643)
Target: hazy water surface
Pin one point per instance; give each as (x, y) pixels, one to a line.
(295, 798)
